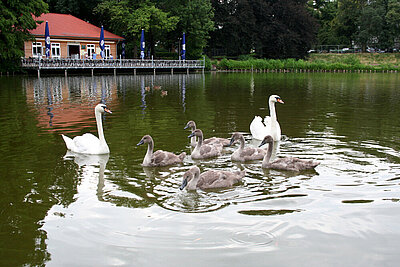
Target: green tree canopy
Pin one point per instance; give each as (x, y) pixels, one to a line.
(15, 22)
(196, 20)
(128, 18)
(274, 29)
(393, 20)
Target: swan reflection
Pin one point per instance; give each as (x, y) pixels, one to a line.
(91, 164)
(50, 106)
(143, 93)
(183, 93)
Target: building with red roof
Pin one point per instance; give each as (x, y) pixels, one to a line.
(70, 37)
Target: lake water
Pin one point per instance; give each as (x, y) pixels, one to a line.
(61, 210)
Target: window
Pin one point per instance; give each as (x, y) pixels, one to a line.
(55, 50)
(37, 49)
(91, 50)
(107, 51)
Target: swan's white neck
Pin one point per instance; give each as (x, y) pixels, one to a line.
(272, 112)
(100, 128)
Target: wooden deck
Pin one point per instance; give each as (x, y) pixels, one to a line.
(111, 64)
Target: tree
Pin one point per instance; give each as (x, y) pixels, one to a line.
(346, 21)
(274, 29)
(195, 19)
(285, 29)
(15, 22)
(128, 18)
(234, 21)
(370, 26)
(325, 12)
(393, 20)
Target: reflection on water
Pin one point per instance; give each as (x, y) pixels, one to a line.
(88, 163)
(106, 210)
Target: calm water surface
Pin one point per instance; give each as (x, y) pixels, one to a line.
(59, 209)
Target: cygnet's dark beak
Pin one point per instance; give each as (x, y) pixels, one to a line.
(232, 141)
(140, 143)
(184, 184)
(263, 142)
(191, 135)
(187, 126)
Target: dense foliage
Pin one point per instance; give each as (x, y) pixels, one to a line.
(349, 62)
(15, 21)
(273, 29)
(361, 23)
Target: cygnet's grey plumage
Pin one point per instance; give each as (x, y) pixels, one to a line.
(159, 158)
(245, 153)
(203, 151)
(208, 141)
(286, 163)
(192, 179)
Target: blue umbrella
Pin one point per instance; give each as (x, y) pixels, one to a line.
(101, 43)
(142, 45)
(123, 48)
(183, 47)
(47, 39)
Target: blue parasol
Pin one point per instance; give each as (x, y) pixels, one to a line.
(183, 47)
(47, 39)
(142, 45)
(123, 48)
(101, 43)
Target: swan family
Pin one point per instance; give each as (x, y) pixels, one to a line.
(268, 131)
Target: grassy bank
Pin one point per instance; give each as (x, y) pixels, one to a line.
(317, 62)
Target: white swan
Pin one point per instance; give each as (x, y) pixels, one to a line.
(286, 163)
(245, 153)
(88, 143)
(259, 130)
(208, 141)
(159, 158)
(203, 151)
(192, 179)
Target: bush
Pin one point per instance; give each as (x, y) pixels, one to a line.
(347, 62)
(208, 62)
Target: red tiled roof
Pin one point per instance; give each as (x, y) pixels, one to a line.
(65, 25)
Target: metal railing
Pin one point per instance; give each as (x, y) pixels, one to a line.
(65, 63)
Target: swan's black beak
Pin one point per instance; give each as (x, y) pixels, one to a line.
(184, 184)
(191, 135)
(140, 143)
(187, 126)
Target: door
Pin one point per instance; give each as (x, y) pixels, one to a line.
(73, 51)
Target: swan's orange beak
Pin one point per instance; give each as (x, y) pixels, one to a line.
(107, 110)
(280, 101)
